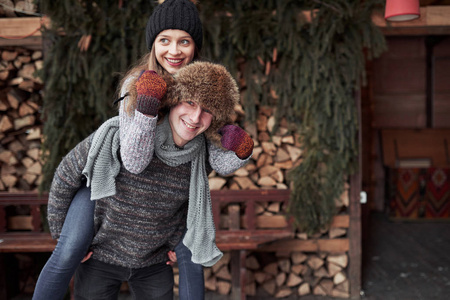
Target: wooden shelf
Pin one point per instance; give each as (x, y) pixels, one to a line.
(433, 20)
(312, 245)
(24, 32)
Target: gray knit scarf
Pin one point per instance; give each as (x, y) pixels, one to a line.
(200, 235)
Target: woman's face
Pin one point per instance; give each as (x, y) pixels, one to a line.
(187, 120)
(174, 49)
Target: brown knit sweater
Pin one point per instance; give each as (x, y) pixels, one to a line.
(136, 227)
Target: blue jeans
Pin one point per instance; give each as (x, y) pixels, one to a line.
(73, 244)
(192, 283)
(96, 280)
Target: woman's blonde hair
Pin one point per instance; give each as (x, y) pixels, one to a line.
(148, 61)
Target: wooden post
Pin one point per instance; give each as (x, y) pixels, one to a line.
(355, 217)
(235, 274)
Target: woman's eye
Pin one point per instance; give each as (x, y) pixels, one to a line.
(190, 102)
(184, 42)
(164, 41)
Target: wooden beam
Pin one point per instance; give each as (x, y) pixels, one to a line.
(16, 28)
(313, 245)
(433, 20)
(22, 31)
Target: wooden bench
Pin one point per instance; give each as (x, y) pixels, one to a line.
(239, 228)
(34, 239)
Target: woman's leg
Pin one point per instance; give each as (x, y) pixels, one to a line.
(76, 236)
(192, 283)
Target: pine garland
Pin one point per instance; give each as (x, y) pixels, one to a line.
(315, 70)
(315, 67)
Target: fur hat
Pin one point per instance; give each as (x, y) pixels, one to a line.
(209, 85)
(175, 14)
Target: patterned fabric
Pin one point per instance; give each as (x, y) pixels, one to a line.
(420, 193)
(437, 197)
(406, 200)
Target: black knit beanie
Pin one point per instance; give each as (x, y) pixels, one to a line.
(175, 14)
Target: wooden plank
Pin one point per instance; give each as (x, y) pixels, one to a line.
(313, 245)
(25, 198)
(38, 242)
(24, 31)
(278, 222)
(248, 239)
(13, 28)
(244, 195)
(34, 43)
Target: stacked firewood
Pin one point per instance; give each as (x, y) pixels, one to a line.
(275, 153)
(286, 274)
(10, 8)
(299, 274)
(20, 124)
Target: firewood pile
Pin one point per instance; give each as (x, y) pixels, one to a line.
(20, 123)
(299, 274)
(273, 156)
(282, 274)
(10, 8)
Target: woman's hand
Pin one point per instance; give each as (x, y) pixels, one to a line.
(151, 88)
(87, 256)
(172, 258)
(237, 140)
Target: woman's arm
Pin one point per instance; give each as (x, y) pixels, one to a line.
(137, 135)
(66, 182)
(238, 148)
(137, 129)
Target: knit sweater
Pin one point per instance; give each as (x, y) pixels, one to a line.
(138, 225)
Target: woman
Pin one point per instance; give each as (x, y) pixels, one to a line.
(170, 50)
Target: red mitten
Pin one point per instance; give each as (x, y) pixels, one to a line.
(150, 88)
(237, 140)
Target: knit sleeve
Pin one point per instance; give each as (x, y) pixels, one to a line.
(224, 161)
(66, 182)
(137, 135)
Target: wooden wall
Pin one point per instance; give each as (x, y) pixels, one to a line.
(400, 84)
(406, 90)
(442, 84)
